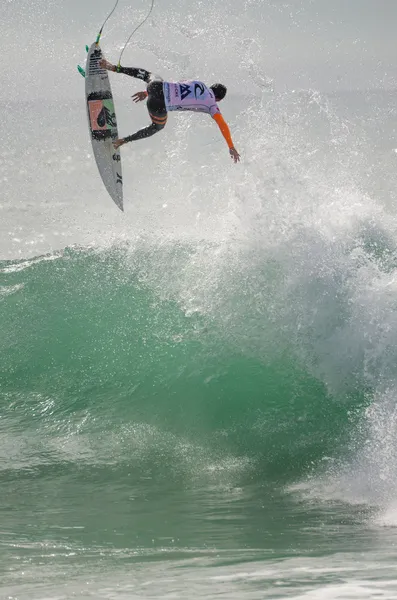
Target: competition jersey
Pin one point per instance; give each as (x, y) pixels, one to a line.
(190, 95)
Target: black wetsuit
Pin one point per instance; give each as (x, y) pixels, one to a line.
(155, 102)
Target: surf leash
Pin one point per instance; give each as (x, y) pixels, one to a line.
(106, 20)
(79, 68)
(135, 30)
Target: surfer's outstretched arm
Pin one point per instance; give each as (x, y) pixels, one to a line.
(130, 71)
(223, 126)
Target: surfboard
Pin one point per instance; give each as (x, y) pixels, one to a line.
(103, 124)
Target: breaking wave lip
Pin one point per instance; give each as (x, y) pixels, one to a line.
(21, 265)
(367, 476)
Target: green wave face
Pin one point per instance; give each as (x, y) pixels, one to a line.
(109, 350)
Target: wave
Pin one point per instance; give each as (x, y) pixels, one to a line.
(259, 347)
(110, 357)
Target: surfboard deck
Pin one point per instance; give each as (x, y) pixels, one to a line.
(102, 124)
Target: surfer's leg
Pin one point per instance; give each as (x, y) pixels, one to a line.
(144, 133)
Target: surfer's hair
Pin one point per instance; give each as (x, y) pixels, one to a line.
(219, 91)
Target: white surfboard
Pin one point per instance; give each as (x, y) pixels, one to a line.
(103, 125)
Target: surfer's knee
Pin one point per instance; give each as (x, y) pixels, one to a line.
(158, 122)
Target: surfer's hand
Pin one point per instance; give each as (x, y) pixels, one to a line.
(139, 96)
(118, 143)
(104, 64)
(234, 154)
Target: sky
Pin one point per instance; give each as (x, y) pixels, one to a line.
(329, 46)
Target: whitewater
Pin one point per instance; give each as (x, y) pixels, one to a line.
(198, 396)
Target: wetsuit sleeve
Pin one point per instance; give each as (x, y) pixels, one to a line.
(223, 126)
(132, 72)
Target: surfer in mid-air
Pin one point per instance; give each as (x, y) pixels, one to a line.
(163, 96)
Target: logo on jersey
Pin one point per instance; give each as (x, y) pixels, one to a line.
(200, 87)
(185, 90)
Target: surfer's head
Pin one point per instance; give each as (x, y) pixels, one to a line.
(219, 91)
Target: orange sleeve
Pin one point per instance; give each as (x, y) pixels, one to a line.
(223, 126)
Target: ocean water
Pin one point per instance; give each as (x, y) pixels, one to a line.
(198, 396)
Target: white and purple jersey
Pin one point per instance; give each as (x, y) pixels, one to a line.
(189, 95)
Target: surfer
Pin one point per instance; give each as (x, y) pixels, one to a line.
(163, 96)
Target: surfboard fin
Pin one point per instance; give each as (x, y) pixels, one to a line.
(80, 69)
